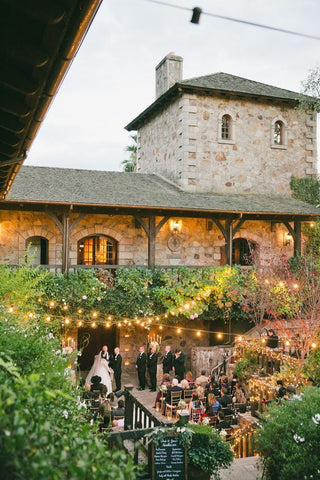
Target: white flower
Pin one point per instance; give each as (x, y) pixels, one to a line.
(84, 297)
(316, 418)
(298, 439)
(65, 413)
(50, 335)
(297, 397)
(57, 352)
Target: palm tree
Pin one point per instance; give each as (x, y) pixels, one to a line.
(129, 165)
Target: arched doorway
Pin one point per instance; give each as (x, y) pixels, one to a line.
(243, 251)
(37, 250)
(97, 250)
(92, 340)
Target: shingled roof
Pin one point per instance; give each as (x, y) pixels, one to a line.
(136, 190)
(224, 82)
(220, 84)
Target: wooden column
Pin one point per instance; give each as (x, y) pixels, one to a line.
(65, 227)
(152, 242)
(297, 247)
(151, 229)
(228, 230)
(65, 243)
(229, 237)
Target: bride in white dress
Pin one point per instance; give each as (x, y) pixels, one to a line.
(101, 368)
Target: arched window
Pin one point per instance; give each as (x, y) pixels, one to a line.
(278, 133)
(226, 127)
(37, 250)
(243, 251)
(97, 250)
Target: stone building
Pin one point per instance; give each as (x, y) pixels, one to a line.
(215, 158)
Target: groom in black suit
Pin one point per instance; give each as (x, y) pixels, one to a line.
(115, 364)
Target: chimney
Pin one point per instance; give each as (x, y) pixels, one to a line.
(168, 72)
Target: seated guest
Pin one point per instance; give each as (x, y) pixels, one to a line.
(200, 392)
(113, 403)
(212, 387)
(202, 380)
(163, 388)
(239, 396)
(107, 419)
(225, 382)
(189, 377)
(96, 385)
(224, 400)
(174, 388)
(221, 423)
(185, 385)
(168, 396)
(213, 405)
(119, 411)
(195, 408)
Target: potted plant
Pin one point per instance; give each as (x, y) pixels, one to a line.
(207, 453)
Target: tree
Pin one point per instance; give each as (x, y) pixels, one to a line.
(310, 97)
(130, 164)
(266, 295)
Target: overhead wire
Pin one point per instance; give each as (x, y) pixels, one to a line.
(237, 20)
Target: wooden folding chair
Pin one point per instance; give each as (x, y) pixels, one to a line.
(173, 405)
(187, 396)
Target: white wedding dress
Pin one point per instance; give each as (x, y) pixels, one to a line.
(101, 368)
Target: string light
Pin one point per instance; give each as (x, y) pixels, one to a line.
(198, 333)
(80, 323)
(93, 324)
(179, 330)
(67, 321)
(10, 309)
(219, 335)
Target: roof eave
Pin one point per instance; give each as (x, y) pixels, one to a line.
(178, 88)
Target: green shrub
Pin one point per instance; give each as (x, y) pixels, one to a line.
(208, 451)
(289, 438)
(246, 366)
(311, 368)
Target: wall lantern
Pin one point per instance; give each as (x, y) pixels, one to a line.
(287, 239)
(175, 226)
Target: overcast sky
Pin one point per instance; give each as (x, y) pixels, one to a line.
(112, 78)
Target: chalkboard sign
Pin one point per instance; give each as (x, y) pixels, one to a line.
(169, 460)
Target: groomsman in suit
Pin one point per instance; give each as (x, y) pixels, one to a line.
(167, 360)
(178, 364)
(141, 365)
(152, 368)
(115, 364)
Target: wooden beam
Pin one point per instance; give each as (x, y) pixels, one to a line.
(297, 245)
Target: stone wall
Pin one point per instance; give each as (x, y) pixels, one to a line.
(182, 143)
(199, 244)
